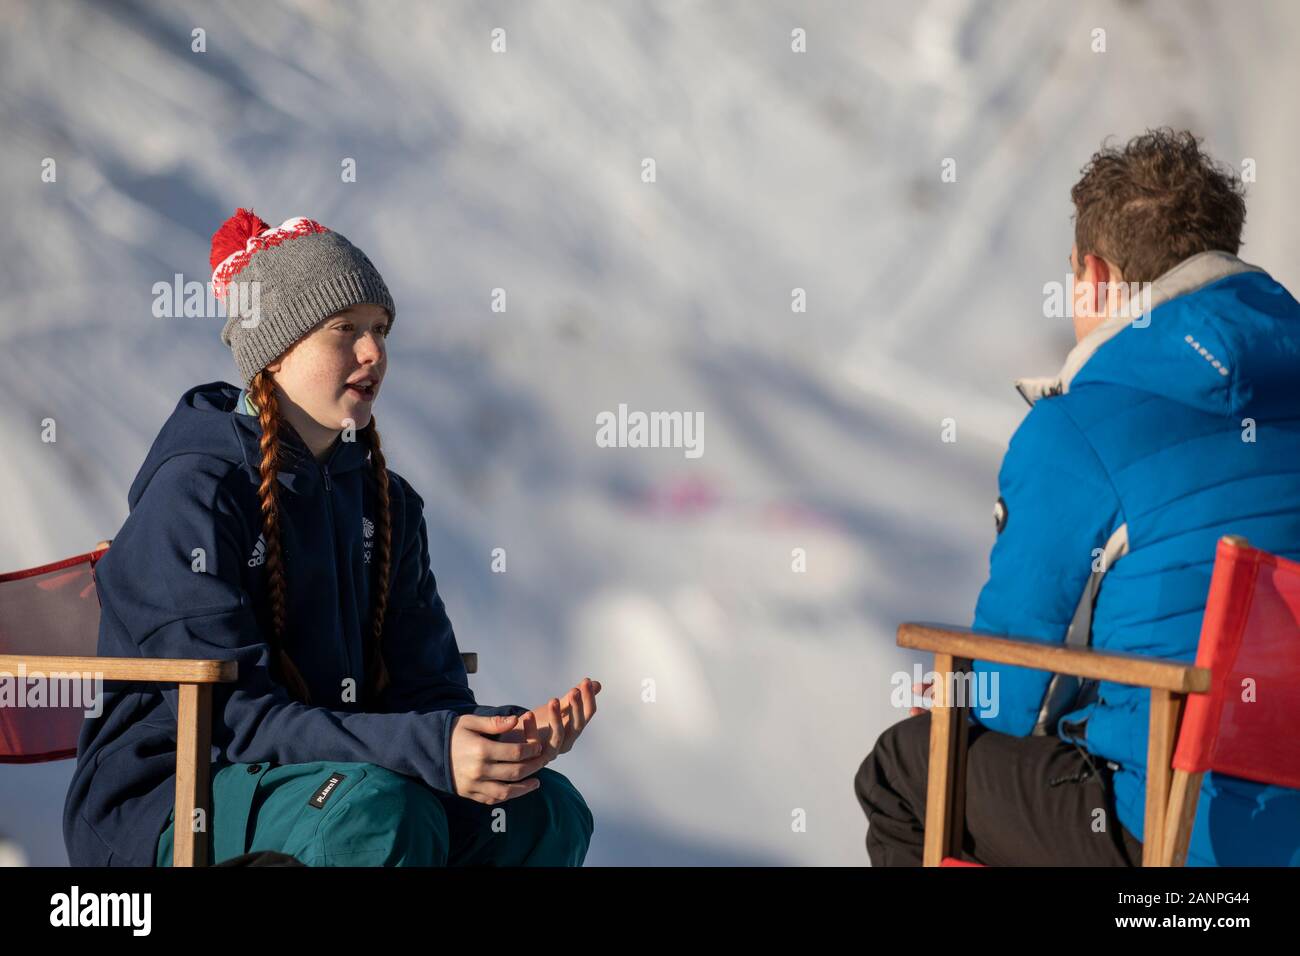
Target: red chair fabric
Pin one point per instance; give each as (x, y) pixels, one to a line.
(50, 610)
(1250, 641)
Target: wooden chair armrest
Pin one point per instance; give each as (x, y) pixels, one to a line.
(195, 679)
(192, 805)
(1133, 669)
(161, 669)
(1169, 682)
(169, 670)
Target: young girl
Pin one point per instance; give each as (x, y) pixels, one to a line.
(265, 528)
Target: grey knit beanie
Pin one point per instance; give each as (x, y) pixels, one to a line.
(279, 282)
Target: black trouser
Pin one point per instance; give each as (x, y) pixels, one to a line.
(1030, 801)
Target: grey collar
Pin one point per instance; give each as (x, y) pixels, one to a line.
(1189, 275)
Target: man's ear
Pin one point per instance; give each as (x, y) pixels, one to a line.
(1109, 286)
(1097, 272)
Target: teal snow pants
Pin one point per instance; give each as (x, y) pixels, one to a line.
(361, 814)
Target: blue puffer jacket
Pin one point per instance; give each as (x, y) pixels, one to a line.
(1138, 457)
(160, 596)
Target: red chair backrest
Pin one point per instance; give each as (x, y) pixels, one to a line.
(1250, 641)
(52, 610)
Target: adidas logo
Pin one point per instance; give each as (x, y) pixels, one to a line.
(259, 553)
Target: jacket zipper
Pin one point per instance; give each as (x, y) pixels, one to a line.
(329, 518)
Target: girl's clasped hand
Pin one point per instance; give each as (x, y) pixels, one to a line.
(493, 759)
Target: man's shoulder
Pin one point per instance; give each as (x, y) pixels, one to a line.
(1092, 405)
(1054, 422)
(1088, 412)
(1072, 434)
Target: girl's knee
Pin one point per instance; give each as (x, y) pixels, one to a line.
(568, 808)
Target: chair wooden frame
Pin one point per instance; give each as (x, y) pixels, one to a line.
(194, 679)
(193, 723)
(1171, 795)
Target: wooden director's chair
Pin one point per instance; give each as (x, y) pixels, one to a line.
(1199, 721)
(49, 625)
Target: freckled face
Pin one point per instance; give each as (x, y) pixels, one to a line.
(348, 347)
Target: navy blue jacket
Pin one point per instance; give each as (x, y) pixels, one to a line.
(186, 578)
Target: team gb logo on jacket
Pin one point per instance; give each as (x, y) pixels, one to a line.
(367, 538)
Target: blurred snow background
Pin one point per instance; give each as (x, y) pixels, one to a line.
(476, 170)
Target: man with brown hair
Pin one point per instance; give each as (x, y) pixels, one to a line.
(1175, 419)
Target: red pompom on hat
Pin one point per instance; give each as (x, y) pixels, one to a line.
(234, 234)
